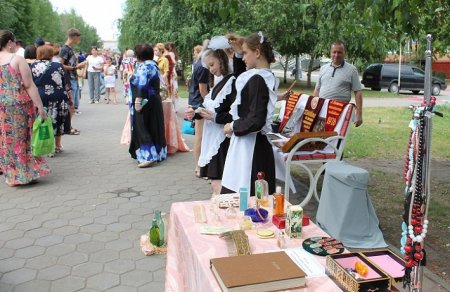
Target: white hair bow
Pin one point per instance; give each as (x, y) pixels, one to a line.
(261, 37)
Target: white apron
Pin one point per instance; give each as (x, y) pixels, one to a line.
(213, 134)
(238, 165)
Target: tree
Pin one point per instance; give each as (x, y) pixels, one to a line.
(369, 28)
(292, 27)
(29, 19)
(8, 14)
(167, 20)
(89, 36)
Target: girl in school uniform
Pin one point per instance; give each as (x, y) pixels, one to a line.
(250, 150)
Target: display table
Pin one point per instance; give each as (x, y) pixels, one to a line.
(174, 140)
(189, 252)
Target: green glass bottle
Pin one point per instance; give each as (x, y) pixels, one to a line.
(154, 234)
(160, 224)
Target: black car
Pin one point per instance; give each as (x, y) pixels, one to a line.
(378, 76)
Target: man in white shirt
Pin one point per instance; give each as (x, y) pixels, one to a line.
(338, 79)
(20, 50)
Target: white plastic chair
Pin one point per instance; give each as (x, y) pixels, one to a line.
(333, 150)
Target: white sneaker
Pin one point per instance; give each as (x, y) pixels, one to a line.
(96, 101)
(91, 101)
(146, 164)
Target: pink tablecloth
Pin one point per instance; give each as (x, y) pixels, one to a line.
(174, 140)
(189, 252)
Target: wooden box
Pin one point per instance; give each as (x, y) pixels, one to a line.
(390, 263)
(336, 268)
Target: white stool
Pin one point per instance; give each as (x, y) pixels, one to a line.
(345, 211)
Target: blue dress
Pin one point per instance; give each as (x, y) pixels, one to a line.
(148, 142)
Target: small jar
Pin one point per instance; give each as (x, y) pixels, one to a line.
(246, 223)
(231, 212)
(281, 241)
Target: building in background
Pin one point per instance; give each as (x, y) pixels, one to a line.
(113, 45)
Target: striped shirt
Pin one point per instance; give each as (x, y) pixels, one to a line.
(338, 82)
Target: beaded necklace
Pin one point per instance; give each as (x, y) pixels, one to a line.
(417, 192)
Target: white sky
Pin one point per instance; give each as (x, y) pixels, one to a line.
(100, 14)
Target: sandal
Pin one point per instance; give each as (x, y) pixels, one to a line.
(59, 149)
(74, 131)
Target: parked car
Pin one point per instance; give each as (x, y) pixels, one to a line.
(378, 76)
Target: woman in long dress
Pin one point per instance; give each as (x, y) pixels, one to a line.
(18, 99)
(250, 150)
(127, 68)
(148, 142)
(163, 65)
(49, 79)
(171, 55)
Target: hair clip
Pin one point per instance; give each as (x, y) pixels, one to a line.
(261, 37)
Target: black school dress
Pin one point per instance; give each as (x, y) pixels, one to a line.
(214, 143)
(250, 150)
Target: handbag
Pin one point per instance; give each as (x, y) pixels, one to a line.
(187, 127)
(42, 138)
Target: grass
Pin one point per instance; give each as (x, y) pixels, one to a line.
(386, 192)
(384, 134)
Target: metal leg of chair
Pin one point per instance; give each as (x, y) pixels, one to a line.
(287, 181)
(292, 186)
(311, 185)
(316, 180)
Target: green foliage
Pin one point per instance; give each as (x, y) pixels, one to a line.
(8, 14)
(167, 20)
(369, 28)
(29, 19)
(89, 37)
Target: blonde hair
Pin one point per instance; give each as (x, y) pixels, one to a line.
(161, 47)
(198, 49)
(129, 53)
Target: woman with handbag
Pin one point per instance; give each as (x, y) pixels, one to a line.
(49, 79)
(18, 99)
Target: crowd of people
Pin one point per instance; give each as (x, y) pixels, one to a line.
(232, 96)
(47, 75)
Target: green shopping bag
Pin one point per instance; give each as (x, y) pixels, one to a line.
(42, 139)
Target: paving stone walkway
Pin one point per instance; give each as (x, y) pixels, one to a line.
(78, 229)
